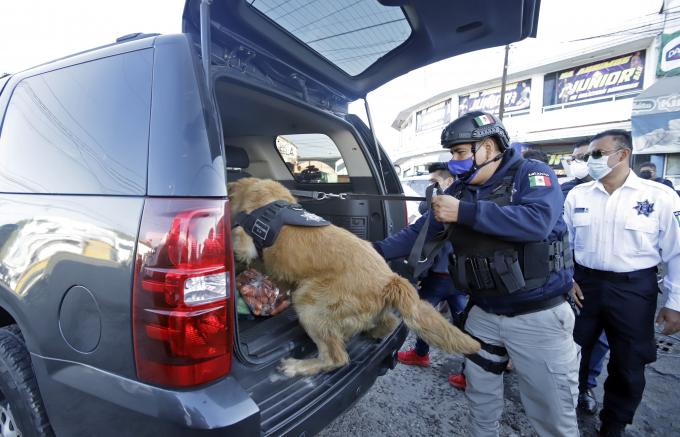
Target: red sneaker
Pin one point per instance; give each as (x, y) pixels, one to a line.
(458, 381)
(411, 358)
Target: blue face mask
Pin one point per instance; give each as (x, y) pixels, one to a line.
(459, 168)
(466, 169)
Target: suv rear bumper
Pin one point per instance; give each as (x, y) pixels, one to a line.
(83, 400)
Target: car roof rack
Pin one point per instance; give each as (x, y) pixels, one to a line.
(136, 35)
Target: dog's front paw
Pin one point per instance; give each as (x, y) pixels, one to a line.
(290, 367)
(244, 249)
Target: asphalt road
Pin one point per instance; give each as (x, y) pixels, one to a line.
(416, 401)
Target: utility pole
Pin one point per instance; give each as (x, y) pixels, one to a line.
(505, 78)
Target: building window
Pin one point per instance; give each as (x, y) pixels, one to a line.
(549, 84)
(517, 99)
(434, 116)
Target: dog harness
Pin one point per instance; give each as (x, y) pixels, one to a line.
(264, 224)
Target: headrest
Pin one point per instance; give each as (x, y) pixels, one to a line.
(236, 157)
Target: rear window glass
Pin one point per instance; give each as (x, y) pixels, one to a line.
(82, 129)
(352, 34)
(312, 158)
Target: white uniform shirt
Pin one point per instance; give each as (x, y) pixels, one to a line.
(634, 228)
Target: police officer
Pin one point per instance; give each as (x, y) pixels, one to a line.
(578, 167)
(622, 227)
(503, 217)
(435, 284)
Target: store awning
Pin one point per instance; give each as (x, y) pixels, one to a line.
(656, 118)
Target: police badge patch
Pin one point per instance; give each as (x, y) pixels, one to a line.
(644, 208)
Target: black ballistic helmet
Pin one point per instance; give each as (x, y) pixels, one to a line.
(472, 127)
(436, 166)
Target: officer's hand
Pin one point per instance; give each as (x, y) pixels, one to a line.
(670, 319)
(445, 208)
(578, 295)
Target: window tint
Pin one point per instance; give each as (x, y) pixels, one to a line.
(79, 130)
(312, 158)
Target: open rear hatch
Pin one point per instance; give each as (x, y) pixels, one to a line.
(338, 51)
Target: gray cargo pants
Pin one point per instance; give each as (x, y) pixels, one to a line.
(546, 360)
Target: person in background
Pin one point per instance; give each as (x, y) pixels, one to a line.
(648, 171)
(621, 228)
(579, 169)
(577, 166)
(436, 286)
(440, 175)
(535, 154)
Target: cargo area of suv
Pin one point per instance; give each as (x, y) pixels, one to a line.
(284, 139)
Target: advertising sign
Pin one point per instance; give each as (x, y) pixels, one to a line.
(600, 79)
(669, 55)
(656, 122)
(517, 98)
(433, 116)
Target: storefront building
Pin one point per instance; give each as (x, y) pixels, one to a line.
(548, 107)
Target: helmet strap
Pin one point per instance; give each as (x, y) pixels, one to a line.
(470, 174)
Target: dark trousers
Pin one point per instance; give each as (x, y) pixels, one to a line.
(597, 357)
(435, 288)
(624, 306)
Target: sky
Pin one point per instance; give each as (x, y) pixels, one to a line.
(37, 31)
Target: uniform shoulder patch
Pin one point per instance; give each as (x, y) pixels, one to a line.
(539, 179)
(677, 216)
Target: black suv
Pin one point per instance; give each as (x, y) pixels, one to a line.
(117, 295)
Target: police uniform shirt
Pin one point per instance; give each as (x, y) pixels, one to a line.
(634, 228)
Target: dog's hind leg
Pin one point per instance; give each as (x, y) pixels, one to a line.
(329, 342)
(385, 324)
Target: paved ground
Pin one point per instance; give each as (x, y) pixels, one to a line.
(411, 401)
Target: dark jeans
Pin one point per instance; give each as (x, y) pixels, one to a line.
(597, 356)
(435, 288)
(624, 306)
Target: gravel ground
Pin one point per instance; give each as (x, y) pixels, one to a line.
(416, 401)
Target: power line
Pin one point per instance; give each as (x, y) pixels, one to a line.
(652, 27)
(355, 30)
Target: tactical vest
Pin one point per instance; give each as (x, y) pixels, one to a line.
(264, 224)
(487, 266)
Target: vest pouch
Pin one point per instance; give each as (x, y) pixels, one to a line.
(507, 268)
(472, 274)
(536, 256)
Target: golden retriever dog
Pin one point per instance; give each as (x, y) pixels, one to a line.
(343, 286)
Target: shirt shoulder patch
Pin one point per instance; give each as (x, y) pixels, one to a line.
(539, 179)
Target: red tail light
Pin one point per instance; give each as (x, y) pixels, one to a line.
(182, 297)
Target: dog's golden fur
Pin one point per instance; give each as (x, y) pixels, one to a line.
(343, 286)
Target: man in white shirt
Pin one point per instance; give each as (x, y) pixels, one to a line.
(621, 227)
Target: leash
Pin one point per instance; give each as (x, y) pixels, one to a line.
(320, 195)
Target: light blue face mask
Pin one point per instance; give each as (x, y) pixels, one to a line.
(598, 167)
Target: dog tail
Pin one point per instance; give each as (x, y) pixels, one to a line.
(425, 321)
